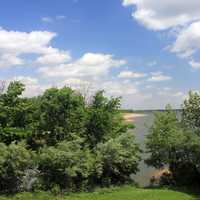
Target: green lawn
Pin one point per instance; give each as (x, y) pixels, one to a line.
(125, 193)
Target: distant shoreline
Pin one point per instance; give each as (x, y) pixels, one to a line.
(147, 111)
(130, 117)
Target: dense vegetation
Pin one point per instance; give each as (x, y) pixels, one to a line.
(123, 193)
(58, 142)
(174, 141)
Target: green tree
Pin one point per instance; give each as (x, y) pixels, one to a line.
(117, 160)
(15, 112)
(104, 119)
(61, 114)
(164, 138)
(170, 145)
(191, 112)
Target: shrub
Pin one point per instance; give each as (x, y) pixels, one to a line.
(117, 160)
(67, 165)
(14, 161)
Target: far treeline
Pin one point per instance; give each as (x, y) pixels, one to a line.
(59, 142)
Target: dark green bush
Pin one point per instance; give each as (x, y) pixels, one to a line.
(117, 160)
(14, 161)
(67, 165)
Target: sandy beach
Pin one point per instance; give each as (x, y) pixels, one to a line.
(130, 117)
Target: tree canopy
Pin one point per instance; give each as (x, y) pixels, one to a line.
(57, 141)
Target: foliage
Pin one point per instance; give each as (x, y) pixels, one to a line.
(14, 161)
(117, 159)
(175, 144)
(67, 144)
(104, 119)
(67, 165)
(15, 114)
(61, 114)
(191, 112)
(164, 139)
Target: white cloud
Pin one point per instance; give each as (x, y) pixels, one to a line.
(54, 57)
(7, 60)
(159, 76)
(129, 2)
(115, 88)
(130, 74)
(180, 17)
(194, 64)
(161, 15)
(23, 42)
(90, 64)
(188, 40)
(13, 44)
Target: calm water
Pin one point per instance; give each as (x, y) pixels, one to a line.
(142, 124)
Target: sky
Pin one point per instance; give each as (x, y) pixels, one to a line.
(146, 51)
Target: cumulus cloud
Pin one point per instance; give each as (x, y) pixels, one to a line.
(194, 64)
(54, 57)
(91, 69)
(169, 15)
(13, 44)
(159, 76)
(24, 42)
(188, 40)
(130, 74)
(161, 15)
(90, 64)
(7, 60)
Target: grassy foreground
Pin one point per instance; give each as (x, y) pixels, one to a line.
(125, 193)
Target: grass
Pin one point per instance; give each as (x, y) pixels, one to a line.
(124, 193)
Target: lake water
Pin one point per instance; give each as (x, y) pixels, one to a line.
(142, 125)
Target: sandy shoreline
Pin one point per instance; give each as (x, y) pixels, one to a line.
(130, 117)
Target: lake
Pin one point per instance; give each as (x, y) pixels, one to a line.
(142, 124)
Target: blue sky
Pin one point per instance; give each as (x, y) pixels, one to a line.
(146, 51)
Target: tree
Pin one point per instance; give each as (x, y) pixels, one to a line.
(104, 119)
(76, 146)
(169, 144)
(14, 113)
(60, 115)
(164, 138)
(117, 160)
(191, 112)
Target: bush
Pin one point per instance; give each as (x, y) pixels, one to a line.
(67, 165)
(14, 161)
(117, 160)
